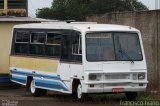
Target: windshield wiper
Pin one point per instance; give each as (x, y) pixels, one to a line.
(124, 53)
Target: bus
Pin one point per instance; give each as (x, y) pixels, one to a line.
(78, 59)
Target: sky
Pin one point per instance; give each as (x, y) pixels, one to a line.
(33, 5)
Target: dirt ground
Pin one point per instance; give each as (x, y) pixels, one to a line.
(20, 97)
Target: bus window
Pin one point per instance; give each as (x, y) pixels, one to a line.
(65, 47)
(22, 42)
(100, 47)
(113, 47)
(38, 38)
(76, 48)
(53, 44)
(22, 37)
(37, 43)
(127, 47)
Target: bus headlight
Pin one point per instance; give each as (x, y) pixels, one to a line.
(135, 77)
(95, 77)
(141, 76)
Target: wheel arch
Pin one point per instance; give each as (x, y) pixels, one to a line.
(28, 81)
(75, 83)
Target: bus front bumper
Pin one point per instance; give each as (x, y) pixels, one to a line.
(115, 88)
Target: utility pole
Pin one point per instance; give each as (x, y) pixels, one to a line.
(157, 4)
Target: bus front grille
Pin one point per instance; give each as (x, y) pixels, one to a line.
(117, 76)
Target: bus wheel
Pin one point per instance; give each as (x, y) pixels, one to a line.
(36, 91)
(131, 95)
(80, 95)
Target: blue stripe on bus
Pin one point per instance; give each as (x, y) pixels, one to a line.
(35, 74)
(19, 79)
(38, 82)
(50, 84)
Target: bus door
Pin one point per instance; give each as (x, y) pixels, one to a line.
(76, 56)
(64, 66)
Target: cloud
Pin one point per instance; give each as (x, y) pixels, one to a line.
(33, 5)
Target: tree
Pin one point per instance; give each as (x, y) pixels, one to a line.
(79, 9)
(44, 13)
(105, 6)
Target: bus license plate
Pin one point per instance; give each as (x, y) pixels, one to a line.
(118, 90)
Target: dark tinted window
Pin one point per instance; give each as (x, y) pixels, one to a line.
(22, 42)
(22, 37)
(65, 48)
(53, 50)
(47, 43)
(21, 48)
(53, 44)
(39, 37)
(37, 43)
(37, 49)
(17, 4)
(53, 38)
(1, 4)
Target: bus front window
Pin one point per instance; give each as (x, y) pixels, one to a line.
(113, 47)
(100, 47)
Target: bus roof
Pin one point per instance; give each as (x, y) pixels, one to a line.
(77, 26)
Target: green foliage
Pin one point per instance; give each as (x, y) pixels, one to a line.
(44, 13)
(79, 9)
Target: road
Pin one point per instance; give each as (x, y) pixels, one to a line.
(20, 97)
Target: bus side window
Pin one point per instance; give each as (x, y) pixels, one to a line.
(65, 44)
(53, 44)
(22, 39)
(76, 46)
(37, 43)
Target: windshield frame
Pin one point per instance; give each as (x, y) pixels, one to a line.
(113, 32)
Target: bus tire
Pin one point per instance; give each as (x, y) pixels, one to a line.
(131, 95)
(79, 94)
(36, 92)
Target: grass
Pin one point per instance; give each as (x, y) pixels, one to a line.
(149, 97)
(118, 97)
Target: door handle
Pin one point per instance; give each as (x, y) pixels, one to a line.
(75, 76)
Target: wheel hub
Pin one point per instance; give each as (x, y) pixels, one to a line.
(32, 87)
(79, 91)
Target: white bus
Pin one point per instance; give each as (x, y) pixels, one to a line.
(78, 59)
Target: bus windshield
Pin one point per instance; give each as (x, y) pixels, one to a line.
(113, 47)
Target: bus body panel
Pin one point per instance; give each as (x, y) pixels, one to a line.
(46, 65)
(44, 71)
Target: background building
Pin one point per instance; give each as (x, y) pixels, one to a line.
(17, 8)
